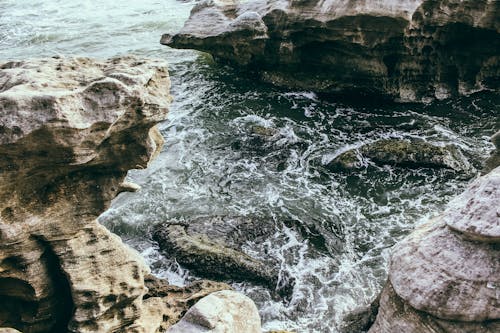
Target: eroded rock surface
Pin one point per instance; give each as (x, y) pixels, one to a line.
(445, 276)
(411, 50)
(70, 129)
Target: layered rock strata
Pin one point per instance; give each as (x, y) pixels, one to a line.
(70, 128)
(411, 50)
(445, 276)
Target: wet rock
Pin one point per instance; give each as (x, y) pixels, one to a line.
(494, 160)
(404, 153)
(211, 247)
(399, 49)
(445, 276)
(222, 311)
(361, 319)
(70, 129)
(176, 301)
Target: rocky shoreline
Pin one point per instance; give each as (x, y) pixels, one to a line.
(71, 129)
(410, 51)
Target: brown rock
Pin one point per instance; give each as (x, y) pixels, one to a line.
(69, 131)
(398, 49)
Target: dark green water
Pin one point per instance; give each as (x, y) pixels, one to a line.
(213, 163)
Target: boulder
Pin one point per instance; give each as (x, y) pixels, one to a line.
(211, 247)
(405, 153)
(70, 129)
(175, 300)
(410, 50)
(221, 312)
(445, 276)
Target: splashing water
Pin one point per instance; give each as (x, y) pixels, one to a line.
(215, 162)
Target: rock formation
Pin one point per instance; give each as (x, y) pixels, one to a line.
(494, 160)
(410, 50)
(211, 248)
(70, 129)
(404, 153)
(445, 276)
(221, 312)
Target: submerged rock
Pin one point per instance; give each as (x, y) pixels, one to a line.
(220, 312)
(411, 50)
(404, 153)
(70, 129)
(211, 247)
(445, 276)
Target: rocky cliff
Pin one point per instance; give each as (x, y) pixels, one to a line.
(410, 50)
(445, 276)
(69, 131)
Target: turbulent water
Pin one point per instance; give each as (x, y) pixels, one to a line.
(217, 162)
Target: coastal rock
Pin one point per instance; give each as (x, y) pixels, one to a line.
(445, 276)
(494, 160)
(221, 312)
(361, 319)
(411, 50)
(476, 213)
(70, 129)
(176, 301)
(405, 153)
(211, 247)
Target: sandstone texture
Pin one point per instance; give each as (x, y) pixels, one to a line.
(70, 128)
(410, 50)
(405, 153)
(221, 312)
(445, 276)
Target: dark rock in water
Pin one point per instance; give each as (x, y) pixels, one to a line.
(211, 247)
(494, 160)
(405, 153)
(361, 319)
(410, 50)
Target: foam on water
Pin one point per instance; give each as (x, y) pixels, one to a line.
(215, 162)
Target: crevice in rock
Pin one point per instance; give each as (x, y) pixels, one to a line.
(63, 306)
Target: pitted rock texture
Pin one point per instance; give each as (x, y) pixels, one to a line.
(70, 129)
(221, 312)
(411, 50)
(445, 276)
(473, 214)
